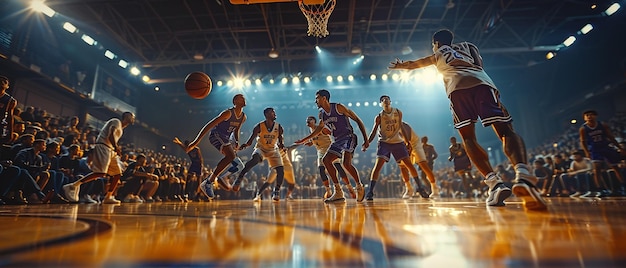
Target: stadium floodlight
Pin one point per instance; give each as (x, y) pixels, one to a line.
(569, 41)
(612, 9)
(39, 6)
(135, 71)
(90, 41)
(69, 27)
(145, 78)
(586, 29)
(109, 54)
(123, 64)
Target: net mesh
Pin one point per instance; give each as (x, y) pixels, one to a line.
(317, 17)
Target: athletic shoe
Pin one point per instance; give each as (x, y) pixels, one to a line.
(111, 200)
(257, 198)
(360, 192)
(407, 192)
(88, 200)
(370, 196)
(351, 191)
(586, 194)
(71, 192)
(207, 188)
(498, 194)
(276, 196)
(289, 198)
(236, 185)
(435, 193)
(527, 191)
(575, 194)
(422, 192)
(328, 193)
(336, 197)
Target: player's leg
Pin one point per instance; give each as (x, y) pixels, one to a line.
(328, 160)
(344, 178)
(349, 167)
(408, 188)
(378, 165)
(255, 160)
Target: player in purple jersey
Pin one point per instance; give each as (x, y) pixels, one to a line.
(220, 130)
(473, 95)
(600, 146)
(337, 117)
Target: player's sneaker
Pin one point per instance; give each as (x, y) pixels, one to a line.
(276, 196)
(336, 197)
(328, 193)
(407, 192)
(498, 194)
(586, 194)
(422, 192)
(257, 198)
(71, 192)
(369, 196)
(289, 197)
(351, 191)
(236, 185)
(576, 194)
(207, 188)
(435, 192)
(526, 190)
(360, 192)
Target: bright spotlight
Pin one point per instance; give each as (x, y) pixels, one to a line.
(384, 77)
(395, 77)
(586, 29)
(39, 6)
(358, 104)
(373, 77)
(295, 80)
(318, 49)
(123, 64)
(109, 54)
(284, 80)
(366, 103)
(339, 78)
(157, 88)
(134, 71)
(569, 41)
(405, 76)
(350, 78)
(573, 121)
(238, 82)
(220, 83)
(247, 82)
(145, 78)
(230, 83)
(349, 104)
(307, 79)
(329, 78)
(90, 41)
(257, 81)
(69, 27)
(609, 11)
(375, 103)
(272, 81)
(550, 55)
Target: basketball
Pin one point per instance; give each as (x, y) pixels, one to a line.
(198, 85)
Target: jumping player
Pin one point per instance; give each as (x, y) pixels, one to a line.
(473, 95)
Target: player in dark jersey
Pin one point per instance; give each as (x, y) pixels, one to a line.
(220, 130)
(337, 117)
(7, 105)
(600, 146)
(462, 164)
(473, 95)
(195, 156)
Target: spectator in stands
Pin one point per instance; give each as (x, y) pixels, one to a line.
(28, 114)
(29, 160)
(57, 178)
(24, 141)
(72, 127)
(579, 171)
(134, 177)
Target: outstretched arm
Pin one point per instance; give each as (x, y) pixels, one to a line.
(344, 110)
(412, 64)
(374, 128)
(255, 133)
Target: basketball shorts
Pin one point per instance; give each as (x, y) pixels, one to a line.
(105, 160)
(218, 141)
(343, 144)
(608, 154)
(272, 156)
(482, 101)
(386, 150)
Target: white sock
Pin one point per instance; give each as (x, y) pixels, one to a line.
(492, 179)
(522, 168)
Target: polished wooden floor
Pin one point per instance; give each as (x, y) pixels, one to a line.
(309, 233)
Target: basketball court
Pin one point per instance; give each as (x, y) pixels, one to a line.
(309, 233)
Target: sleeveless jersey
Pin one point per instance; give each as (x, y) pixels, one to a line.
(322, 141)
(225, 128)
(457, 151)
(414, 139)
(596, 137)
(389, 131)
(338, 123)
(459, 68)
(195, 157)
(111, 127)
(268, 136)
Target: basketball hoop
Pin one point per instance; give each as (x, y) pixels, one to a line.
(317, 16)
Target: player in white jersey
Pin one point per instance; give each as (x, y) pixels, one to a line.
(388, 126)
(288, 175)
(473, 95)
(418, 156)
(269, 140)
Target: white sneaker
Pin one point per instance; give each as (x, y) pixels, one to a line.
(408, 191)
(527, 191)
(276, 196)
(257, 198)
(88, 200)
(586, 194)
(328, 193)
(337, 196)
(576, 194)
(498, 194)
(360, 192)
(435, 192)
(71, 192)
(111, 200)
(207, 188)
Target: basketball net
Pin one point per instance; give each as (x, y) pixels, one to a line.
(317, 17)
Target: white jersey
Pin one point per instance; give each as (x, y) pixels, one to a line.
(111, 127)
(268, 136)
(389, 129)
(459, 68)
